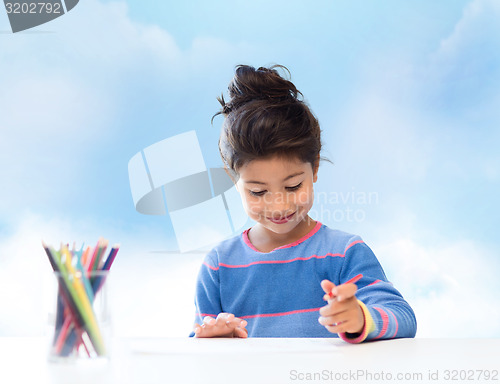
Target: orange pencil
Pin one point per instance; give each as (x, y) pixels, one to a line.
(85, 256)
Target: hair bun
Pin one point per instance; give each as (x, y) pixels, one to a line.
(249, 84)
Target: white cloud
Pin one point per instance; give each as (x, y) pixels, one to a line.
(478, 23)
(45, 127)
(381, 132)
(66, 82)
(153, 294)
(452, 287)
(24, 272)
(463, 74)
(410, 117)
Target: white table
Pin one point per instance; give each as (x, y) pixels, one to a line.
(256, 361)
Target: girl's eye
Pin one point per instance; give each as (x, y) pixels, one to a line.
(257, 193)
(294, 188)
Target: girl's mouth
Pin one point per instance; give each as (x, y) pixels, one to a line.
(281, 220)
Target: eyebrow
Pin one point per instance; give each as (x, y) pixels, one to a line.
(285, 179)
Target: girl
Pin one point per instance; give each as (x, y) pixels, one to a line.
(274, 278)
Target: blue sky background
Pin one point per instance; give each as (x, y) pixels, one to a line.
(407, 94)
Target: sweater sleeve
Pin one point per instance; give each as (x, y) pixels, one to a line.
(207, 296)
(387, 314)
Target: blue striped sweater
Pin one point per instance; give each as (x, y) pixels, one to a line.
(279, 293)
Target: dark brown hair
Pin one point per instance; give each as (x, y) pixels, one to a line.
(265, 117)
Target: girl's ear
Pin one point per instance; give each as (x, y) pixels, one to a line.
(233, 176)
(315, 169)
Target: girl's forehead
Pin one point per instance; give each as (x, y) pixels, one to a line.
(274, 167)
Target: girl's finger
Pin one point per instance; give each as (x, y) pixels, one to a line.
(333, 320)
(327, 286)
(329, 297)
(342, 327)
(208, 320)
(344, 291)
(224, 318)
(241, 332)
(334, 328)
(335, 307)
(236, 323)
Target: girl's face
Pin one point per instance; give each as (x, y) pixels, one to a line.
(277, 192)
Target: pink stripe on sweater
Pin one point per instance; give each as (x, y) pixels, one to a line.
(209, 266)
(205, 314)
(396, 321)
(274, 261)
(278, 261)
(247, 240)
(385, 322)
(302, 239)
(297, 242)
(353, 243)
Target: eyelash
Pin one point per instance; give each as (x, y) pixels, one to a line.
(259, 193)
(294, 188)
(290, 189)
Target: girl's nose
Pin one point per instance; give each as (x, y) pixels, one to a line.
(279, 205)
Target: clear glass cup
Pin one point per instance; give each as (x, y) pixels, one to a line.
(80, 318)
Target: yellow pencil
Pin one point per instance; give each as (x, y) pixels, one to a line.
(88, 312)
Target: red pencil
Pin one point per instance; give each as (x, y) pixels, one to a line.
(355, 279)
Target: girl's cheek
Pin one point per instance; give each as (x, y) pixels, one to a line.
(302, 198)
(254, 208)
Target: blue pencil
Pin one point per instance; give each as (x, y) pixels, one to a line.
(98, 281)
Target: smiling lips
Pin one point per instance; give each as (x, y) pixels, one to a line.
(281, 220)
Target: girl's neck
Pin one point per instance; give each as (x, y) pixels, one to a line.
(265, 240)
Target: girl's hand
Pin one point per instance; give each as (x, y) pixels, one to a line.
(225, 325)
(342, 313)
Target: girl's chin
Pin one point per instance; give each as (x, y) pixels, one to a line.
(281, 228)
